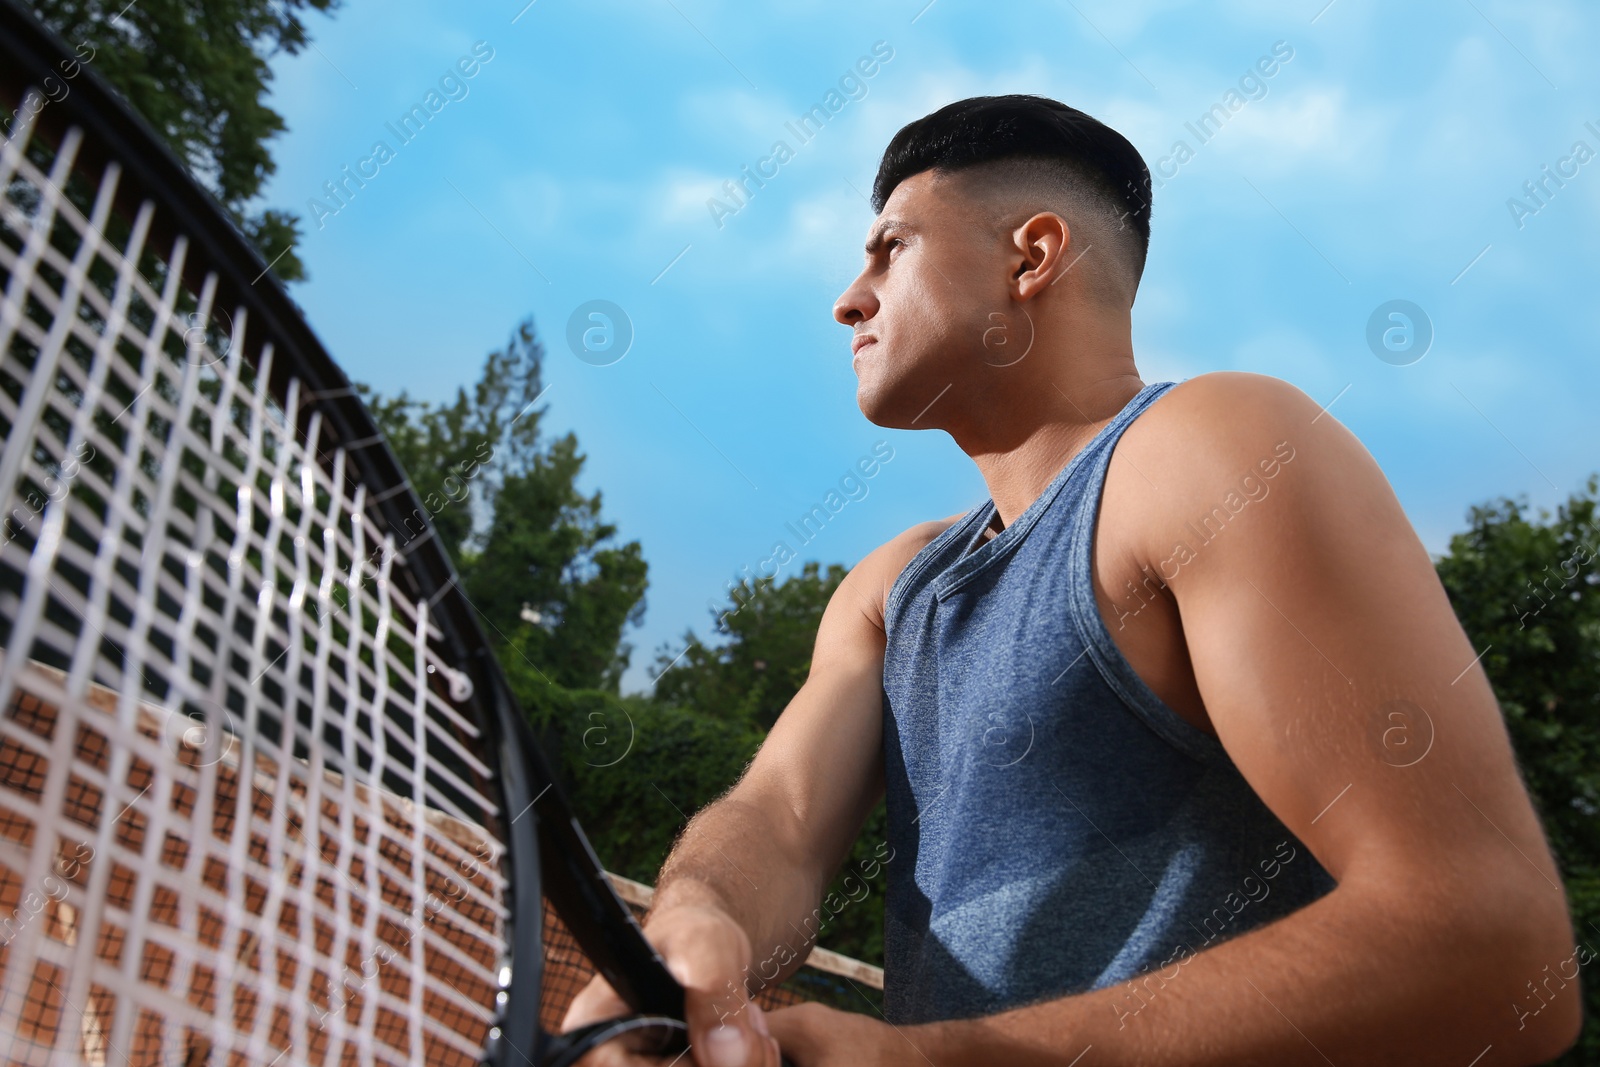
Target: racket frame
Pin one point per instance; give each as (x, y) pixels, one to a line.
(548, 850)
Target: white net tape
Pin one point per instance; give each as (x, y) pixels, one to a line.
(241, 816)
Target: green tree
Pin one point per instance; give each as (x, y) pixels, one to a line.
(770, 630)
(198, 71)
(544, 571)
(459, 453)
(1528, 590)
(638, 769)
(534, 556)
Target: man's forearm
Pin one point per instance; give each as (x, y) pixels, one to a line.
(1354, 978)
(739, 857)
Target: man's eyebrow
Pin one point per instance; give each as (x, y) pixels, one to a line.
(875, 241)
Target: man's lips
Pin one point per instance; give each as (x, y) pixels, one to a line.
(861, 341)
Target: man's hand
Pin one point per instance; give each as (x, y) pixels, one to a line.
(709, 953)
(814, 1035)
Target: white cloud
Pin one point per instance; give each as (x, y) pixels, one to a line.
(1546, 41)
(824, 234)
(678, 198)
(745, 121)
(1287, 352)
(1309, 129)
(536, 202)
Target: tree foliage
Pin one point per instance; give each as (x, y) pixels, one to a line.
(1528, 589)
(639, 769)
(198, 71)
(770, 630)
(534, 556)
(568, 616)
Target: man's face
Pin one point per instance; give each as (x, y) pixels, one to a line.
(934, 274)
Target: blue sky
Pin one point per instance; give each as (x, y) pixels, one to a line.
(1377, 163)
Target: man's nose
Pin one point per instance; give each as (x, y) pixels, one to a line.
(854, 305)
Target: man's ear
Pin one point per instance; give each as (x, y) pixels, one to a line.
(1042, 243)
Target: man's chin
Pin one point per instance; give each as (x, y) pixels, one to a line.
(886, 409)
(867, 400)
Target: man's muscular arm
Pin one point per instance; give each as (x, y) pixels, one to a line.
(765, 850)
(737, 898)
(1307, 618)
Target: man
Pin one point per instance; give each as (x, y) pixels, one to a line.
(1187, 759)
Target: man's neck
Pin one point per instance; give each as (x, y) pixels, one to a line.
(1017, 474)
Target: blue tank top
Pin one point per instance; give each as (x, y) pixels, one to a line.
(1055, 826)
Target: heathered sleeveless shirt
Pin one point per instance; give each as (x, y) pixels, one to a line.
(1055, 826)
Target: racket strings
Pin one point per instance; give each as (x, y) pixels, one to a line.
(242, 816)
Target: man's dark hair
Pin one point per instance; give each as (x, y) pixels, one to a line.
(1089, 155)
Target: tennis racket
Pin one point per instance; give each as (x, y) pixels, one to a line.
(265, 797)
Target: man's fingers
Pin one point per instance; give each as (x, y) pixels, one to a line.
(594, 1002)
(610, 1055)
(724, 1031)
(770, 1057)
(707, 953)
(791, 1028)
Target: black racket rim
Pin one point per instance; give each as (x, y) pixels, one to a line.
(550, 857)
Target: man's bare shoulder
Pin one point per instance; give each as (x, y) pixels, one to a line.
(903, 547)
(1227, 407)
(878, 569)
(1221, 441)
(1209, 430)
